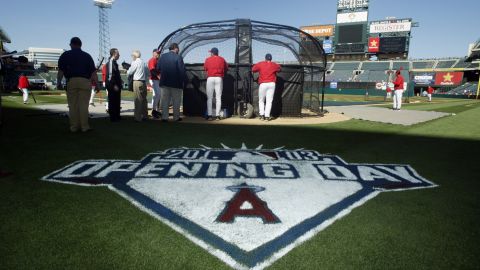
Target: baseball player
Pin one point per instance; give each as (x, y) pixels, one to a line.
(398, 90)
(155, 83)
(267, 77)
(430, 91)
(104, 79)
(215, 66)
(23, 86)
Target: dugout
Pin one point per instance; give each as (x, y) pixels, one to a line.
(242, 43)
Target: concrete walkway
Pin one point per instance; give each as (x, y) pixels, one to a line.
(97, 111)
(384, 115)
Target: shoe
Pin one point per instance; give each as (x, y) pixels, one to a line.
(92, 104)
(155, 114)
(218, 118)
(106, 110)
(268, 119)
(25, 103)
(262, 117)
(209, 118)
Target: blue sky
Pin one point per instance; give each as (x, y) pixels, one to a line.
(446, 27)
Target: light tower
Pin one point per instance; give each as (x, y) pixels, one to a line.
(103, 28)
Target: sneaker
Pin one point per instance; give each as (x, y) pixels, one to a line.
(92, 104)
(155, 114)
(218, 118)
(268, 119)
(209, 118)
(262, 117)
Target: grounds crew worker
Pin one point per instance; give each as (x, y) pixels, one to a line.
(398, 90)
(267, 77)
(78, 68)
(23, 86)
(139, 71)
(216, 67)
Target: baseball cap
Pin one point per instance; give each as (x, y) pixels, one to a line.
(214, 51)
(268, 57)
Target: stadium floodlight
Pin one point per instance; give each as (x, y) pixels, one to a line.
(103, 3)
(103, 27)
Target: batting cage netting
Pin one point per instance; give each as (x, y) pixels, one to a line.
(242, 43)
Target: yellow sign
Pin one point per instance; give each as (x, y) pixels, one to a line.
(318, 30)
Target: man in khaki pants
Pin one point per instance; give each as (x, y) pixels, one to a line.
(139, 71)
(78, 68)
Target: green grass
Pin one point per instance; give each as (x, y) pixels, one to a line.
(56, 226)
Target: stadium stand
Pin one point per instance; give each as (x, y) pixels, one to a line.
(466, 89)
(397, 65)
(422, 64)
(445, 64)
(340, 76)
(376, 66)
(346, 66)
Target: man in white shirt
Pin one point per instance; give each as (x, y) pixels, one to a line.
(139, 71)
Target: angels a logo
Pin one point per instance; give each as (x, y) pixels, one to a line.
(248, 207)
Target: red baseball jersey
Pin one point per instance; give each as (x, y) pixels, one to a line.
(23, 82)
(215, 66)
(152, 65)
(398, 82)
(430, 90)
(267, 71)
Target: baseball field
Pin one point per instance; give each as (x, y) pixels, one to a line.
(45, 225)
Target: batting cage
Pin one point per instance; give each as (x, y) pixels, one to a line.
(242, 43)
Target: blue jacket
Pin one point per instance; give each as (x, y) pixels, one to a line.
(172, 70)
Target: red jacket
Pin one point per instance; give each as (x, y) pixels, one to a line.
(398, 83)
(152, 65)
(104, 73)
(430, 90)
(23, 82)
(215, 66)
(267, 70)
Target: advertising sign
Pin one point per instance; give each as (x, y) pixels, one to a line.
(390, 26)
(448, 78)
(424, 78)
(327, 46)
(319, 30)
(333, 85)
(352, 17)
(373, 44)
(351, 4)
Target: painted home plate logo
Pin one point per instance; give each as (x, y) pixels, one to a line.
(248, 207)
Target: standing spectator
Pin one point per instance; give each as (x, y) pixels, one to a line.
(430, 91)
(113, 83)
(139, 71)
(23, 86)
(172, 79)
(155, 83)
(267, 77)
(78, 68)
(398, 90)
(215, 66)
